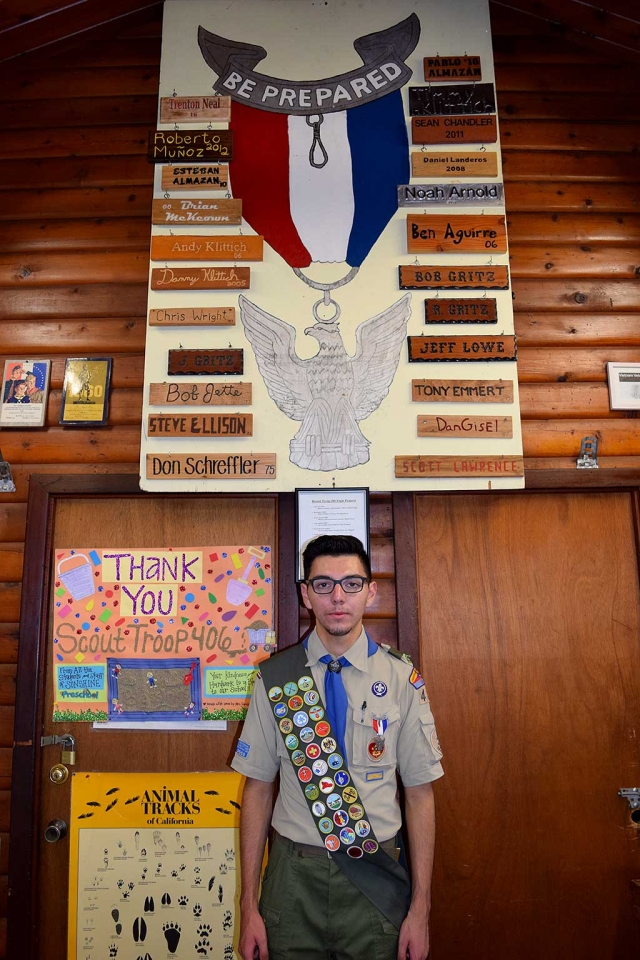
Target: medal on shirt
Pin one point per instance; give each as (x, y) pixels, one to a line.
(376, 748)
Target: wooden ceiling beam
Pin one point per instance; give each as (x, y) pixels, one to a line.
(581, 20)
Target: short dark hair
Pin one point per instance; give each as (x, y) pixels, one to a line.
(335, 546)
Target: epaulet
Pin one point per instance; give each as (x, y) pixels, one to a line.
(397, 653)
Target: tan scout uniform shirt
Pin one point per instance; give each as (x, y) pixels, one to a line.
(410, 738)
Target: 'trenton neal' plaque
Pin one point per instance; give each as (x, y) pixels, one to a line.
(481, 467)
(193, 317)
(201, 278)
(453, 278)
(462, 99)
(462, 391)
(214, 394)
(208, 177)
(205, 362)
(436, 349)
(437, 194)
(480, 128)
(194, 109)
(191, 247)
(471, 233)
(215, 466)
(200, 425)
(167, 146)
(460, 310)
(443, 425)
(197, 211)
(446, 69)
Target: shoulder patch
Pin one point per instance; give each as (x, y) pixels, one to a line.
(415, 679)
(397, 653)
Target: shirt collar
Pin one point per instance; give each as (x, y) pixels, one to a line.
(358, 655)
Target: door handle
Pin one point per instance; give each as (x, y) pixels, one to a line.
(55, 830)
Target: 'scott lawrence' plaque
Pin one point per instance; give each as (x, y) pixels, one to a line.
(480, 164)
(480, 128)
(201, 278)
(205, 362)
(213, 394)
(197, 211)
(462, 391)
(463, 99)
(452, 68)
(430, 233)
(453, 278)
(413, 194)
(200, 425)
(460, 348)
(167, 146)
(421, 466)
(194, 109)
(209, 177)
(233, 247)
(216, 466)
(443, 425)
(193, 317)
(461, 310)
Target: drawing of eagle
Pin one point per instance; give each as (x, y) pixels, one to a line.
(332, 391)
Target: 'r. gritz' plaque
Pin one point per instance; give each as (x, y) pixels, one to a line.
(472, 233)
(478, 467)
(191, 247)
(167, 146)
(197, 211)
(460, 310)
(461, 348)
(457, 165)
(205, 362)
(453, 278)
(209, 177)
(201, 278)
(476, 129)
(215, 466)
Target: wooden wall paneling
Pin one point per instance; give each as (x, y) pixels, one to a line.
(88, 234)
(60, 172)
(569, 165)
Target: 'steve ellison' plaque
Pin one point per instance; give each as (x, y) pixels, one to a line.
(168, 146)
(214, 394)
(194, 109)
(480, 467)
(205, 362)
(461, 348)
(439, 194)
(443, 425)
(197, 211)
(201, 278)
(208, 177)
(447, 69)
(462, 391)
(453, 164)
(194, 317)
(216, 466)
(190, 247)
(431, 233)
(436, 101)
(461, 310)
(480, 128)
(453, 278)
(200, 425)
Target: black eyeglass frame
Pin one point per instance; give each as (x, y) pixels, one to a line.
(354, 576)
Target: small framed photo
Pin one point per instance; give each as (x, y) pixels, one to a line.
(85, 391)
(342, 511)
(25, 388)
(624, 386)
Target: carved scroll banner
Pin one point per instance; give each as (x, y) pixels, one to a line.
(305, 258)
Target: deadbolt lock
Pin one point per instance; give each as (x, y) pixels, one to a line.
(58, 773)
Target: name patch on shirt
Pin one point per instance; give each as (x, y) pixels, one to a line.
(374, 775)
(242, 750)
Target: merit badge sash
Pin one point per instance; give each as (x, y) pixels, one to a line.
(336, 807)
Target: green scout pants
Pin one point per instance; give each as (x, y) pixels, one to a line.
(312, 911)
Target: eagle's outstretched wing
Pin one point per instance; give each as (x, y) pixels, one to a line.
(283, 372)
(378, 351)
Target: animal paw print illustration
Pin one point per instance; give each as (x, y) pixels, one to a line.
(149, 905)
(113, 951)
(230, 856)
(197, 911)
(172, 933)
(228, 951)
(166, 899)
(227, 920)
(202, 948)
(139, 930)
(223, 868)
(183, 901)
(183, 866)
(220, 893)
(115, 914)
(204, 932)
(174, 873)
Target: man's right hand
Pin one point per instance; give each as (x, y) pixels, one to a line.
(253, 937)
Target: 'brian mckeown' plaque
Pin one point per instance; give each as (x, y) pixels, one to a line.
(435, 349)
(473, 233)
(190, 247)
(480, 128)
(462, 391)
(205, 362)
(167, 146)
(197, 211)
(448, 69)
(453, 278)
(478, 164)
(216, 466)
(480, 467)
(460, 310)
(437, 194)
(201, 278)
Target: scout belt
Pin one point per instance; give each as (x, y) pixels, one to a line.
(337, 810)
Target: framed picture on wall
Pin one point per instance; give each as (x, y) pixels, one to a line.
(624, 386)
(341, 511)
(85, 392)
(25, 387)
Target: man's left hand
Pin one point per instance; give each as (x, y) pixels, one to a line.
(413, 941)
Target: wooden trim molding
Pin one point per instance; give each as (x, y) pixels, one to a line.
(406, 574)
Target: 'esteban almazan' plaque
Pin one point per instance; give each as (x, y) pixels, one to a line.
(197, 211)
(201, 278)
(413, 194)
(452, 68)
(421, 466)
(453, 278)
(193, 317)
(167, 146)
(475, 129)
(460, 348)
(209, 177)
(200, 425)
(213, 394)
(483, 163)
(461, 310)
(432, 233)
(443, 425)
(205, 362)
(462, 391)
(218, 466)
(234, 247)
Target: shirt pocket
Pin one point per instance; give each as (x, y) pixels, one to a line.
(363, 752)
(430, 741)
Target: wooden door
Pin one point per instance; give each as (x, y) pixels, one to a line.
(530, 613)
(124, 522)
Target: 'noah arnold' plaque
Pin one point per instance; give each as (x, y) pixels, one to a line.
(190, 247)
(416, 195)
(217, 466)
(196, 211)
(201, 278)
(167, 146)
(453, 278)
(433, 349)
(205, 362)
(431, 233)
(479, 128)
(460, 310)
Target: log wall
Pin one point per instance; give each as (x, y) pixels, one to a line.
(75, 206)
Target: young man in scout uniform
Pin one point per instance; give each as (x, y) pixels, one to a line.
(337, 717)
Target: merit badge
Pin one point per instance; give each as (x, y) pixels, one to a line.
(334, 801)
(356, 811)
(379, 725)
(370, 846)
(354, 852)
(301, 719)
(349, 794)
(322, 728)
(341, 818)
(326, 785)
(342, 778)
(375, 751)
(316, 713)
(305, 774)
(311, 697)
(363, 828)
(332, 842)
(335, 761)
(291, 741)
(329, 745)
(379, 689)
(319, 808)
(347, 835)
(290, 688)
(275, 694)
(415, 679)
(285, 725)
(306, 734)
(295, 703)
(313, 751)
(280, 710)
(325, 825)
(311, 792)
(320, 768)
(305, 683)
(298, 758)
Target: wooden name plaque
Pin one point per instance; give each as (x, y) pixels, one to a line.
(454, 164)
(412, 467)
(462, 100)
(462, 391)
(194, 317)
(209, 177)
(483, 427)
(205, 362)
(213, 394)
(432, 233)
(447, 69)
(230, 247)
(201, 278)
(194, 109)
(436, 349)
(475, 129)
(167, 146)
(437, 194)
(201, 425)
(461, 310)
(453, 278)
(197, 211)
(216, 466)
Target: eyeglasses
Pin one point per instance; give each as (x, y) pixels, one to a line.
(326, 585)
